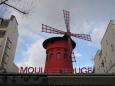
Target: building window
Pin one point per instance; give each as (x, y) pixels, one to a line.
(106, 53)
(100, 53)
(7, 51)
(65, 50)
(99, 67)
(58, 55)
(58, 49)
(102, 63)
(106, 68)
(113, 73)
(51, 55)
(65, 56)
(8, 46)
(106, 42)
(8, 43)
(2, 33)
(105, 58)
(112, 48)
(5, 58)
(51, 50)
(110, 63)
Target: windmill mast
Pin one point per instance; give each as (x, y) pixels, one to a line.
(67, 24)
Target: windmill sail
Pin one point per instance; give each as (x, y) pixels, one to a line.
(49, 29)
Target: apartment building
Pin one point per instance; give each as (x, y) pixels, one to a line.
(8, 42)
(105, 57)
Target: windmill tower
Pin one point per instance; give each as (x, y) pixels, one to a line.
(59, 49)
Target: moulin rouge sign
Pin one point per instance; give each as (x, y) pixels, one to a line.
(39, 70)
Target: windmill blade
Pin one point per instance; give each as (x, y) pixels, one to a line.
(82, 36)
(49, 29)
(67, 20)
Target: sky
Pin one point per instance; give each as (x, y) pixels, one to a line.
(86, 17)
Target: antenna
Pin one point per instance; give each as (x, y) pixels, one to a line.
(22, 6)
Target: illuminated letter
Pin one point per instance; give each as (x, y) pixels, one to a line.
(83, 70)
(90, 70)
(30, 70)
(23, 70)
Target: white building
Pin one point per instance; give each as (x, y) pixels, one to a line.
(8, 42)
(105, 58)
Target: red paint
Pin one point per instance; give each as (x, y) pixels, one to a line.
(54, 64)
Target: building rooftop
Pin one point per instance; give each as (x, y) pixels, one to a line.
(53, 39)
(111, 22)
(4, 22)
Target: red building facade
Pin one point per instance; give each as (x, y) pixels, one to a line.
(57, 60)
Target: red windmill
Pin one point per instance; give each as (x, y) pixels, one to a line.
(59, 49)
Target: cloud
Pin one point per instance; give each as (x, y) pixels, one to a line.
(3, 10)
(98, 33)
(77, 54)
(34, 55)
(95, 29)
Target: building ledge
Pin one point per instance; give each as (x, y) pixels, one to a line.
(43, 79)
